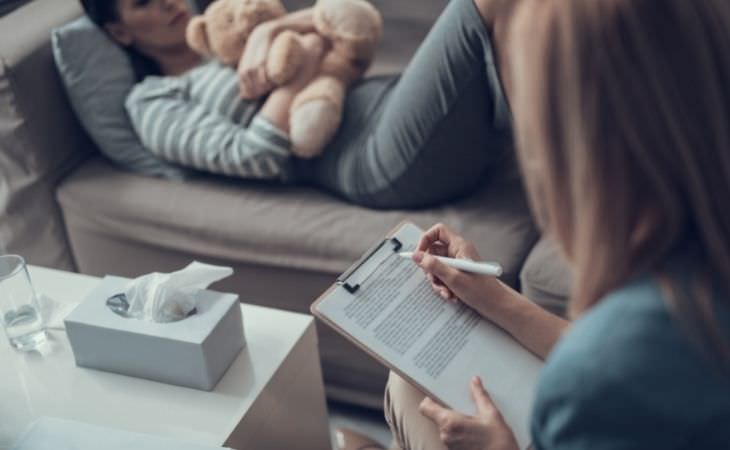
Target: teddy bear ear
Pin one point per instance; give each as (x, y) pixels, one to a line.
(197, 35)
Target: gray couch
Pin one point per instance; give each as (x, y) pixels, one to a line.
(63, 205)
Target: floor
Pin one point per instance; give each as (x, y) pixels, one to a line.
(367, 421)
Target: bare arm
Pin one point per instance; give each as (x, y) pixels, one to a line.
(534, 327)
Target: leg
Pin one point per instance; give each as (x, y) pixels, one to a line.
(436, 132)
(497, 13)
(411, 431)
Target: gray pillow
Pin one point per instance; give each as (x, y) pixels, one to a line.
(98, 76)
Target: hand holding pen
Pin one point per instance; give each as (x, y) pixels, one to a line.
(465, 265)
(452, 283)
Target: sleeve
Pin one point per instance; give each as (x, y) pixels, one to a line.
(179, 130)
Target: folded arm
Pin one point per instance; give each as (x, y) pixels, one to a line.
(181, 131)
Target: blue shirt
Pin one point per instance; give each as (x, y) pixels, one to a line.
(628, 375)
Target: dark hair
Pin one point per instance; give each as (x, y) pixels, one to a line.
(102, 12)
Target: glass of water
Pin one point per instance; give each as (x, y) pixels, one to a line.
(19, 310)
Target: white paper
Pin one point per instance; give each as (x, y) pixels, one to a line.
(441, 346)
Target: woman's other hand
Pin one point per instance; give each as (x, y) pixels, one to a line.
(252, 78)
(486, 430)
(450, 283)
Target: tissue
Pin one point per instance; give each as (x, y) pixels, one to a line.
(169, 297)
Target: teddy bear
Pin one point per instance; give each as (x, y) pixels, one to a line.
(352, 30)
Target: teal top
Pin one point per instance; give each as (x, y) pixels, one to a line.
(627, 375)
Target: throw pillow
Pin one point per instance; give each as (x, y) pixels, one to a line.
(98, 76)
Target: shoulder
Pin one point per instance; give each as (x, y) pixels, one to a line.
(628, 362)
(207, 70)
(154, 89)
(635, 314)
(626, 335)
(149, 85)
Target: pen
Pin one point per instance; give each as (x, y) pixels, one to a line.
(483, 268)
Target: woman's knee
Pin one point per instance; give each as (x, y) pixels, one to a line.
(496, 15)
(411, 430)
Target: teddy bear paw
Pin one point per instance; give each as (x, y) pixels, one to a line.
(286, 57)
(312, 126)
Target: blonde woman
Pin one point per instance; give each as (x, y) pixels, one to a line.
(622, 114)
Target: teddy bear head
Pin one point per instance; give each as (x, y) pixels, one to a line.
(222, 30)
(354, 27)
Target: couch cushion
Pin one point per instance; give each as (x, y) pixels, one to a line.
(277, 226)
(546, 277)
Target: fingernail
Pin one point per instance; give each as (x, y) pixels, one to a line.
(475, 379)
(418, 257)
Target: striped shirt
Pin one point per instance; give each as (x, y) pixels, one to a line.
(198, 120)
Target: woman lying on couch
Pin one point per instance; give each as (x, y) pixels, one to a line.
(410, 141)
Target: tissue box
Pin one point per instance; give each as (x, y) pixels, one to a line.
(194, 352)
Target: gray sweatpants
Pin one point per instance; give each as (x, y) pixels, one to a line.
(428, 136)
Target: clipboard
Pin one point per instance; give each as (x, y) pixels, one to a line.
(511, 371)
(345, 282)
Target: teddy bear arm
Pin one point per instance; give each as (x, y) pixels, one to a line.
(315, 116)
(285, 58)
(343, 68)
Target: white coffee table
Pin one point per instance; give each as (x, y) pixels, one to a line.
(272, 396)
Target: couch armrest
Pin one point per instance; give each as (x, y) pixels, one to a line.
(40, 138)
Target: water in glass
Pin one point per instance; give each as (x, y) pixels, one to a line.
(19, 312)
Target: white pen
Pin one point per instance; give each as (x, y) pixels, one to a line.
(483, 268)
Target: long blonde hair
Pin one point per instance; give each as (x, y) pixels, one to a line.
(622, 111)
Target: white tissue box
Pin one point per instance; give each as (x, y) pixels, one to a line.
(194, 352)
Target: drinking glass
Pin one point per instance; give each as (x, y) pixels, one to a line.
(19, 312)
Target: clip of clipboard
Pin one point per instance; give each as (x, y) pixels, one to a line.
(352, 288)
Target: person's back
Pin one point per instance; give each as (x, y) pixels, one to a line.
(655, 385)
